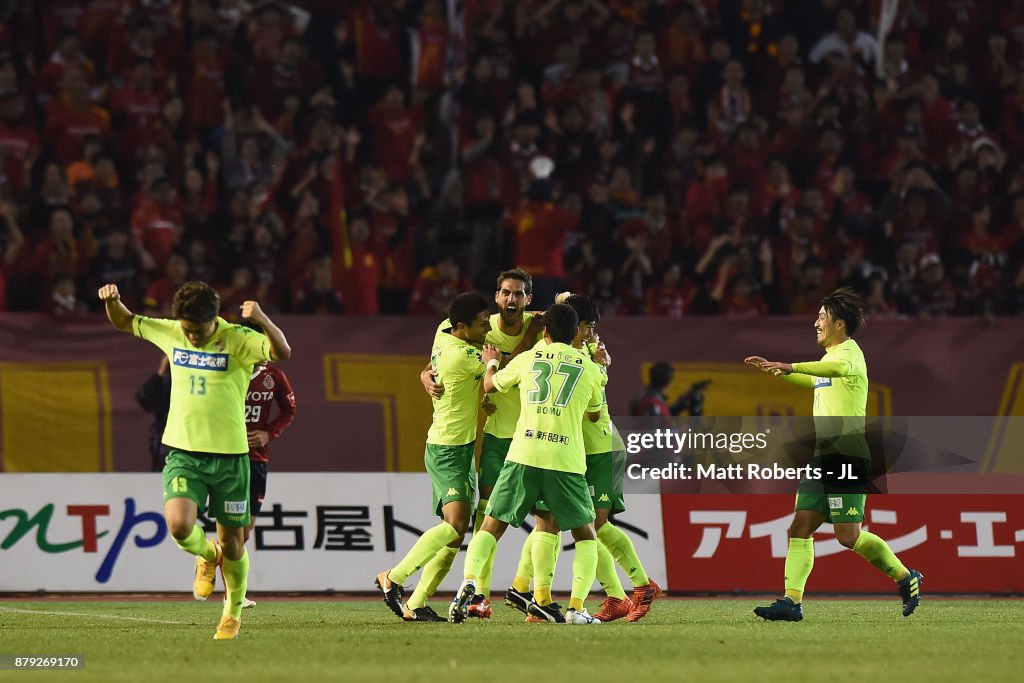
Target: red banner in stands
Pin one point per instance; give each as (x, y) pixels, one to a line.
(961, 543)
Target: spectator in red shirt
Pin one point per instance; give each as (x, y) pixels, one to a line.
(135, 107)
(318, 296)
(435, 288)
(157, 224)
(540, 228)
(669, 297)
(396, 134)
(360, 280)
(67, 58)
(159, 295)
(73, 118)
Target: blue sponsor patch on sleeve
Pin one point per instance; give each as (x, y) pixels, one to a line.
(200, 360)
(820, 382)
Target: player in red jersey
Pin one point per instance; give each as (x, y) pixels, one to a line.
(268, 386)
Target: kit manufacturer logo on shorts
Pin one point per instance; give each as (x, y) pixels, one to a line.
(200, 360)
(835, 503)
(236, 507)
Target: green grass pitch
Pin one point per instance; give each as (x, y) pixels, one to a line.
(704, 640)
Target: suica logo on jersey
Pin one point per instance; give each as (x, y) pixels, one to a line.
(200, 360)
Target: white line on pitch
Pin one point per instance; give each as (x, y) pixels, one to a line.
(97, 616)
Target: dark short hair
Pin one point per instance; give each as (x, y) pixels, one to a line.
(465, 308)
(661, 375)
(585, 308)
(846, 305)
(196, 302)
(517, 274)
(561, 323)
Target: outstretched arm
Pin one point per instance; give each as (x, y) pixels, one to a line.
(784, 370)
(279, 348)
(118, 314)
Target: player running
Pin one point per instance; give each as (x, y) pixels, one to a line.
(546, 460)
(840, 384)
(449, 456)
(211, 361)
(513, 330)
(606, 463)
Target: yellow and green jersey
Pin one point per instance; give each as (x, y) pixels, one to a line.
(502, 422)
(458, 366)
(556, 388)
(600, 436)
(208, 384)
(840, 383)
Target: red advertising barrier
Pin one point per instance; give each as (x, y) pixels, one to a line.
(962, 544)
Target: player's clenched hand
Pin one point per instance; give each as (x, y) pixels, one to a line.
(252, 311)
(776, 368)
(258, 438)
(434, 390)
(109, 293)
(490, 352)
(488, 407)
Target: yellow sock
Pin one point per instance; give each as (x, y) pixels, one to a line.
(543, 554)
(878, 553)
(524, 570)
(799, 562)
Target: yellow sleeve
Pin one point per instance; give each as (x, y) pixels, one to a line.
(161, 332)
(838, 365)
(800, 379)
(253, 347)
(597, 395)
(509, 376)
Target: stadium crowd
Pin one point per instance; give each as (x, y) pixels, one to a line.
(734, 157)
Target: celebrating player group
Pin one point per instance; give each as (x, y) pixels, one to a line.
(550, 449)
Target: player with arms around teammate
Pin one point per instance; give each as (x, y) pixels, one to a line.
(606, 465)
(211, 362)
(546, 461)
(448, 457)
(840, 384)
(513, 331)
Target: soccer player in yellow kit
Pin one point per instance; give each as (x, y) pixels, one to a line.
(840, 384)
(449, 458)
(513, 330)
(545, 461)
(211, 361)
(606, 464)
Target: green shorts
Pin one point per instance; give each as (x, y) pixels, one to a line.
(492, 457)
(837, 507)
(520, 487)
(605, 473)
(222, 478)
(838, 503)
(451, 474)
